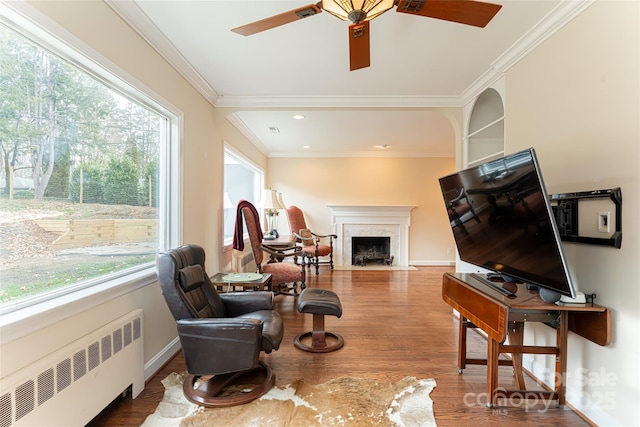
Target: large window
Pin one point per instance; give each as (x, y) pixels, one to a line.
(85, 172)
(242, 181)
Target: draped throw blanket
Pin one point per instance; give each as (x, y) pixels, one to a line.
(238, 240)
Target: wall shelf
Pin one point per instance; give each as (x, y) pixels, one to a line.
(485, 132)
(489, 127)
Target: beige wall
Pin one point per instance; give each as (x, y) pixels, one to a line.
(313, 183)
(576, 99)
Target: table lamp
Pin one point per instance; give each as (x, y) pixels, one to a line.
(271, 203)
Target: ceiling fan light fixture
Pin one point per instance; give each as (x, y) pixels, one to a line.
(357, 16)
(356, 10)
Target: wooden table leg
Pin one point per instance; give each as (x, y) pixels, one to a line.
(493, 353)
(516, 337)
(462, 344)
(561, 359)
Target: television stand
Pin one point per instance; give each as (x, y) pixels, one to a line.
(500, 317)
(496, 286)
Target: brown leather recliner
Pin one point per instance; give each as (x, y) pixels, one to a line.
(221, 335)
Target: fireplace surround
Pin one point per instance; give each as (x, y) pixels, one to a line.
(391, 221)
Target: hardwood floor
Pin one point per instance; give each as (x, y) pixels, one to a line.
(394, 324)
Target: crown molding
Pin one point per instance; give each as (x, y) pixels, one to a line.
(138, 20)
(385, 154)
(248, 133)
(560, 16)
(545, 28)
(337, 101)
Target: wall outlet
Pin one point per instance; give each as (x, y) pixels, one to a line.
(604, 220)
(448, 251)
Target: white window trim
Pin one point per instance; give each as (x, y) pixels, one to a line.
(26, 319)
(32, 318)
(232, 152)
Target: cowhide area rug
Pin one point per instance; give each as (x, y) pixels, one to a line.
(339, 402)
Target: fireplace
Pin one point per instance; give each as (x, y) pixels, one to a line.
(375, 250)
(351, 221)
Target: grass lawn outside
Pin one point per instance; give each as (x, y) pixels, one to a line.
(31, 266)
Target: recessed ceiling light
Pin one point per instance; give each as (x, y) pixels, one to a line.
(382, 146)
(298, 116)
(306, 147)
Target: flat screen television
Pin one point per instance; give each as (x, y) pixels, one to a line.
(502, 221)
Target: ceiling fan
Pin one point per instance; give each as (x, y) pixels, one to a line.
(360, 12)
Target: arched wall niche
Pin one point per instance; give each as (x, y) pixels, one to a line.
(485, 131)
(484, 138)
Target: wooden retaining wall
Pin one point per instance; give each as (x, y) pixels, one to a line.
(96, 232)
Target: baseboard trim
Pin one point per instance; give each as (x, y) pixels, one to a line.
(157, 362)
(435, 263)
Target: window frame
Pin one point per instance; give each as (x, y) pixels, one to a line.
(230, 151)
(47, 34)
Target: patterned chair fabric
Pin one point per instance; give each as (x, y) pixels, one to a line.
(284, 272)
(311, 244)
(308, 242)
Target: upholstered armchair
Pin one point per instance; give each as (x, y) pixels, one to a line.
(285, 275)
(221, 335)
(316, 247)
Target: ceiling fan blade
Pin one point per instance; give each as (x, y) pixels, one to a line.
(359, 49)
(277, 20)
(468, 12)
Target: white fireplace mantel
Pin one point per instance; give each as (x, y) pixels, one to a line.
(371, 220)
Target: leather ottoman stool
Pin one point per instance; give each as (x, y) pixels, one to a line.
(320, 303)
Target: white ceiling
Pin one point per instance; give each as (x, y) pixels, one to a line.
(302, 67)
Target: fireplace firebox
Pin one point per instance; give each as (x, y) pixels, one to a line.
(371, 249)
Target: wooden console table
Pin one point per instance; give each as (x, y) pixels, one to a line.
(500, 317)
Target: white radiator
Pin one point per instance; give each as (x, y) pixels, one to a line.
(243, 262)
(70, 386)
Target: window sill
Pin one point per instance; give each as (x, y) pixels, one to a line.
(25, 321)
(228, 245)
